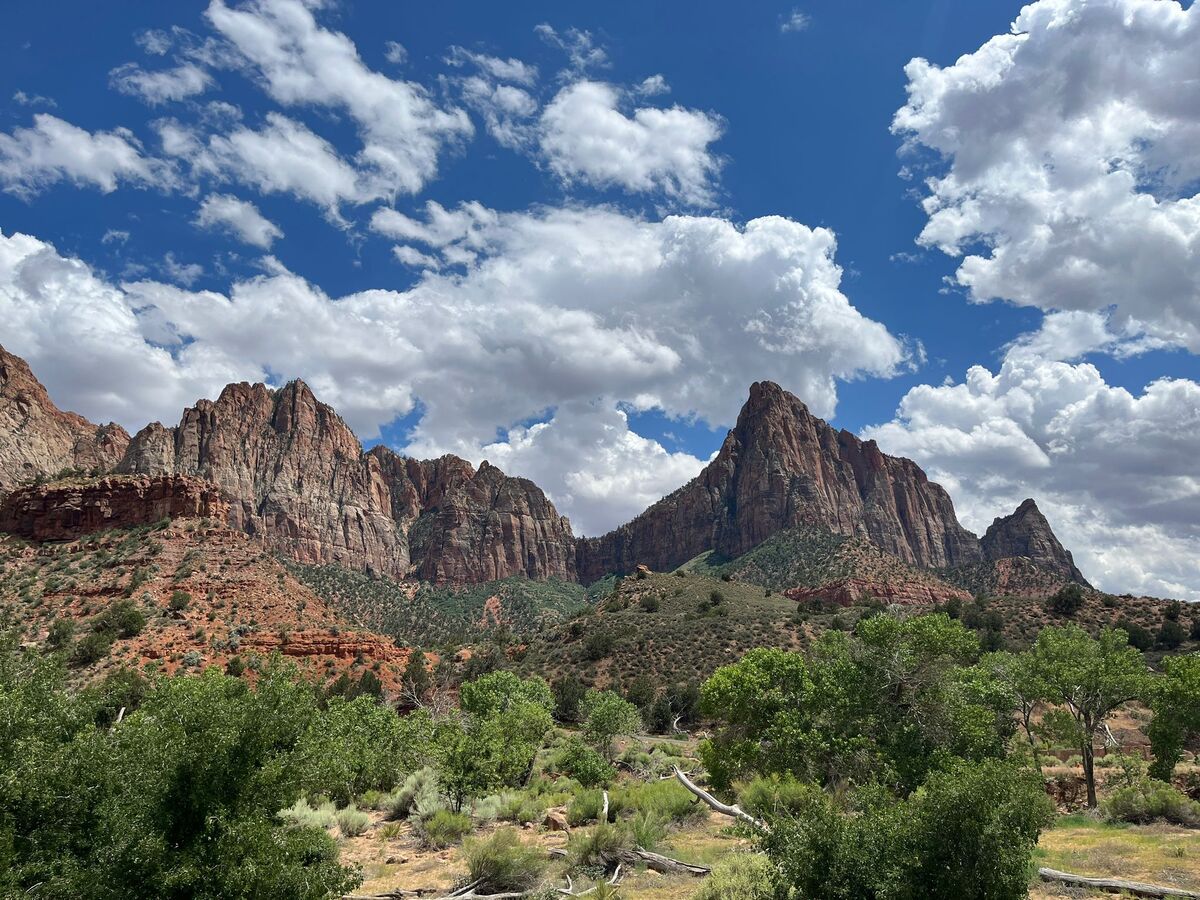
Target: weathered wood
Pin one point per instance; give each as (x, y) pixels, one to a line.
(655, 861)
(660, 863)
(713, 803)
(1115, 885)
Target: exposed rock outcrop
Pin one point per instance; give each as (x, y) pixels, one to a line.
(39, 439)
(295, 474)
(1026, 533)
(782, 467)
(68, 510)
(493, 527)
(847, 591)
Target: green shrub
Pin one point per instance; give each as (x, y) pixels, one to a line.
(352, 821)
(503, 863)
(1149, 800)
(773, 795)
(593, 846)
(418, 794)
(1067, 600)
(740, 876)
(61, 632)
(122, 619)
(585, 807)
(667, 801)
(304, 815)
(93, 647)
(585, 765)
(444, 828)
(646, 830)
(179, 600)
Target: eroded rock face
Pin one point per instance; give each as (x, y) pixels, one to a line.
(292, 470)
(37, 438)
(782, 467)
(494, 527)
(295, 474)
(1026, 533)
(67, 511)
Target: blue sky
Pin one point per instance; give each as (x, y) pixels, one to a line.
(779, 111)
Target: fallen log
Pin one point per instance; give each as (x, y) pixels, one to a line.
(655, 861)
(713, 803)
(1115, 885)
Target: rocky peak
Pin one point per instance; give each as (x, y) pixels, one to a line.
(1026, 533)
(38, 439)
(782, 467)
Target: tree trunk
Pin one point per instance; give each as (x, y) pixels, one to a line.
(1089, 773)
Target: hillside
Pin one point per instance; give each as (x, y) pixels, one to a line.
(178, 595)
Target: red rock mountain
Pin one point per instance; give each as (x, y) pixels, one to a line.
(295, 474)
(292, 473)
(37, 438)
(782, 467)
(1026, 533)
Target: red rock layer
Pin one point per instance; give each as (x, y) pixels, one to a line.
(66, 511)
(847, 591)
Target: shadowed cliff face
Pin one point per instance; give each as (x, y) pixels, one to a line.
(782, 467)
(1027, 533)
(37, 438)
(293, 473)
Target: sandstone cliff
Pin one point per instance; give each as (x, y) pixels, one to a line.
(295, 474)
(39, 439)
(1026, 533)
(69, 510)
(782, 467)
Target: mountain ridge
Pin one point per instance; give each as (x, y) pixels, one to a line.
(294, 474)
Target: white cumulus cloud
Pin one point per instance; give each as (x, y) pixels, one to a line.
(559, 316)
(586, 136)
(1115, 471)
(1070, 153)
(54, 150)
(240, 218)
(300, 63)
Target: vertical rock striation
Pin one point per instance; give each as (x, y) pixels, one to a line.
(1026, 533)
(782, 467)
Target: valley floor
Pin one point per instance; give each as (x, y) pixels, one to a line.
(1158, 853)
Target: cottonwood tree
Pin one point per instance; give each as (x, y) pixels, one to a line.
(1088, 679)
(1019, 673)
(1175, 700)
(605, 716)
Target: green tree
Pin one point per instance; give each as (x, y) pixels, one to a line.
(1019, 673)
(416, 675)
(568, 693)
(1067, 600)
(1088, 679)
(1175, 700)
(606, 716)
(881, 704)
(493, 740)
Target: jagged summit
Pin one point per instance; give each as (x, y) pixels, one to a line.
(1027, 533)
(293, 473)
(782, 467)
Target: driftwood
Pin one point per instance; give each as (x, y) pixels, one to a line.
(1115, 885)
(734, 811)
(655, 861)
